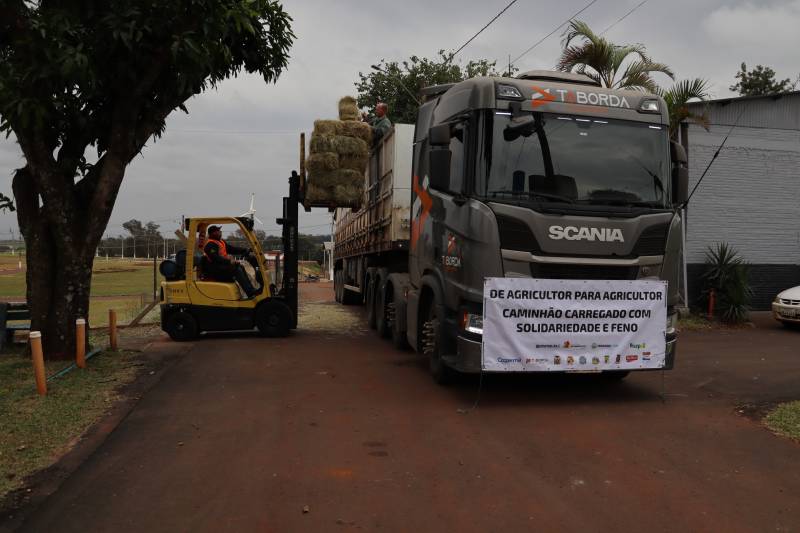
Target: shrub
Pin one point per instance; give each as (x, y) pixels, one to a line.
(727, 275)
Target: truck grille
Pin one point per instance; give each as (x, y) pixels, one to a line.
(516, 235)
(652, 241)
(547, 271)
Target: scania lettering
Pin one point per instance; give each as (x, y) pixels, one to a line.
(571, 233)
(546, 176)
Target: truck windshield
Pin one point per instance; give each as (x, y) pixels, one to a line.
(575, 159)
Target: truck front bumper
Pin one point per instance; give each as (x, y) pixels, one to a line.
(468, 358)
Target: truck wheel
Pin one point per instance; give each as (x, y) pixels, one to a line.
(383, 313)
(370, 303)
(432, 344)
(398, 336)
(181, 326)
(273, 318)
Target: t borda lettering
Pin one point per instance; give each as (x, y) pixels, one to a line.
(542, 96)
(602, 99)
(573, 233)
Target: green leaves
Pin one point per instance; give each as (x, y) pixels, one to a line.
(603, 60)
(677, 98)
(727, 276)
(415, 73)
(760, 81)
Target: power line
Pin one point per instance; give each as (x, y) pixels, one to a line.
(540, 41)
(480, 31)
(623, 17)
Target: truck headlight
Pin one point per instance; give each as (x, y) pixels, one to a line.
(472, 322)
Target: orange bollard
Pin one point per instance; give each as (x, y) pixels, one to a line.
(80, 343)
(112, 329)
(38, 362)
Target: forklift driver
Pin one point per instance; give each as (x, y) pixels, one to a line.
(219, 265)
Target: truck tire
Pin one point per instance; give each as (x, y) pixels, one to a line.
(433, 342)
(382, 312)
(273, 318)
(181, 326)
(370, 302)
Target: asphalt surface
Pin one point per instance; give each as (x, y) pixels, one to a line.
(244, 433)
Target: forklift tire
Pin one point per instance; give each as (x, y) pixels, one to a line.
(273, 318)
(181, 326)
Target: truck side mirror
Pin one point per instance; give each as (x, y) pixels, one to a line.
(439, 165)
(439, 135)
(680, 174)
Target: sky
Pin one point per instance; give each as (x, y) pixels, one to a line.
(242, 138)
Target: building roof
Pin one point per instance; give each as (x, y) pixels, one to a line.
(775, 111)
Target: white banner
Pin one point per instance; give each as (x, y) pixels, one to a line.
(543, 325)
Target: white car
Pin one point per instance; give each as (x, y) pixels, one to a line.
(786, 307)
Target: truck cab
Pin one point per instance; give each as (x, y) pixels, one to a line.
(547, 175)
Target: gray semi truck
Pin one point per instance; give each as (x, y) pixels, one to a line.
(547, 175)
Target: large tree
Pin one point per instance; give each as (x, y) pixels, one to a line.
(759, 81)
(612, 65)
(84, 84)
(399, 83)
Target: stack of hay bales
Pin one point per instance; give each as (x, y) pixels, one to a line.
(338, 158)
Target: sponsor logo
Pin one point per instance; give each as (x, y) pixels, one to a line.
(548, 346)
(538, 360)
(582, 360)
(646, 353)
(640, 346)
(542, 96)
(567, 344)
(595, 360)
(570, 360)
(583, 233)
(557, 360)
(594, 346)
(606, 345)
(509, 359)
(619, 358)
(631, 358)
(645, 357)
(606, 359)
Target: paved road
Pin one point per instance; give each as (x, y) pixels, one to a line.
(242, 433)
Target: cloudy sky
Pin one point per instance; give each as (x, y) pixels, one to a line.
(243, 137)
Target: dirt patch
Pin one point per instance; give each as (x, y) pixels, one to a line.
(113, 271)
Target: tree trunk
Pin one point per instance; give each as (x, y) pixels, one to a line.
(58, 278)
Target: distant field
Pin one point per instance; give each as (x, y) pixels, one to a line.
(120, 284)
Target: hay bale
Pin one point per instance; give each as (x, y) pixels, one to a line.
(322, 162)
(321, 143)
(357, 129)
(339, 144)
(326, 127)
(348, 109)
(343, 145)
(354, 162)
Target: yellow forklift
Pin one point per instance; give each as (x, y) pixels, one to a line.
(192, 304)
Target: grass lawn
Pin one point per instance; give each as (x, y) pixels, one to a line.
(785, 420)
(115, 277)
(34, 430)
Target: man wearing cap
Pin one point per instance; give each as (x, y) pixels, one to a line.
(219, 265)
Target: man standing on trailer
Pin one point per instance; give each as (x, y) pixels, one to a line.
(380, 122)
(219, 265)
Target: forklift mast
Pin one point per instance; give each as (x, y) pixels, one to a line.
(290, 252)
